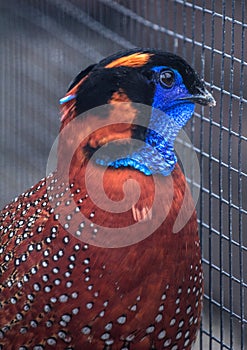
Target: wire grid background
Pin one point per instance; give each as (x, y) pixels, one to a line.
(44, 44)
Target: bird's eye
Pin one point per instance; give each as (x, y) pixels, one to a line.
(167, 78)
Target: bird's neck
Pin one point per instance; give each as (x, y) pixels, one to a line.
(151, 154)
(155, 155)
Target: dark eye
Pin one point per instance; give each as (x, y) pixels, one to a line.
(167, 78)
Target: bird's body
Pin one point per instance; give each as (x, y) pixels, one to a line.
(75, 275)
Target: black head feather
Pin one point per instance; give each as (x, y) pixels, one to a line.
(136, 81)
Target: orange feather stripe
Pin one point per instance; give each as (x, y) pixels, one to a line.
(135, 60)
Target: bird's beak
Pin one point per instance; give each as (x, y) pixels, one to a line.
(203, 98)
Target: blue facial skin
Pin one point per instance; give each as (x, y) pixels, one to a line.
(169, 115)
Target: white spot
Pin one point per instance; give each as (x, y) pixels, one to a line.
(163, 296)
(161, 308)
(172, 322)
(9, 284)
(68, 284)
(75, 311)
(51, 341)
(66, 318)
(47, 308)
(86, 330)
(89, 306)
(133, 308)
(74, 295)
(188, 310)
(23, 330)
(162, 334)
(121, 319)
(167, 343)
(60, 253)
(181, 323)
(55, 270)
(179, 335)
(30, 247)
(150, 329)
(130, 337)
(105, 336)
(30, 297)
(61, 334)
(108, 327)
(33, 324)
(63, 298)
(46, 253)
(158, 318)
(186, 342)
(53, 300)
(66, 240)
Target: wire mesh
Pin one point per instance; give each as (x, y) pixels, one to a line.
(44, 44)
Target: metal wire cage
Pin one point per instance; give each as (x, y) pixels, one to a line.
(44, 44)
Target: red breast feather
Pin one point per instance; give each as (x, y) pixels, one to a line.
(56, 290)
(73, 275)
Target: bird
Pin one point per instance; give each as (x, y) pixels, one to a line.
(89, 258)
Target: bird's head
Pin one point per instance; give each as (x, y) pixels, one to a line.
(124, 81)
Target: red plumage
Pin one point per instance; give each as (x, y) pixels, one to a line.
(156, 284)
(75, 275)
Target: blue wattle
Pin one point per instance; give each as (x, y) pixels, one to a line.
(169, 115)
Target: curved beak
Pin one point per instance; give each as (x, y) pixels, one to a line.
(203, 98)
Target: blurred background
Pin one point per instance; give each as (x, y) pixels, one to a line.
(44, 44)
